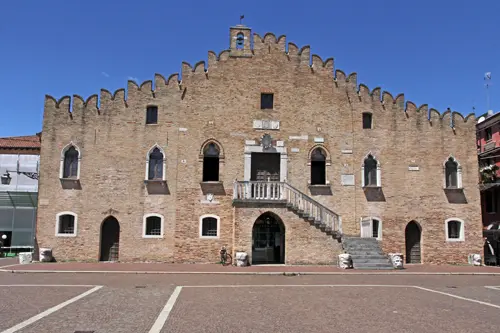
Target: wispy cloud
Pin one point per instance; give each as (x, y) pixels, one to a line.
(133, 78)
(105, 74)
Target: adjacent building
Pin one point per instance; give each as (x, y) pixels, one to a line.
(19, 165)
(488, 149)
(266, 149)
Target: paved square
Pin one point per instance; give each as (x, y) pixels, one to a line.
(153, 303)
(325, 309)
(21, 303)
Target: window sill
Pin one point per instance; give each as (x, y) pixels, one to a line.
(456, 189)
(152, 236)
(455, 240)
(209, 237)
(65, 235)
(155, 181)
(152, 124)
(70, 179)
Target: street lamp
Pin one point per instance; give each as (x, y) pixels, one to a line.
(6, 178)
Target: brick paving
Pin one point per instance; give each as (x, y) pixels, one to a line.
(205, 268)
(251, 303)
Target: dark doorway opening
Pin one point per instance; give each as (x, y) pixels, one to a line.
(268, 240)
(413, 236)
(110, 240)
(265, 167)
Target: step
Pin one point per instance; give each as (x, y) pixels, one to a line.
(372, 265)
(371, 261)
(375, 268)
(372, 256)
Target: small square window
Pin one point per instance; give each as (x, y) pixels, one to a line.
(153, 226)
(266, 101)
(209, 227)
(152, 115)
(367, 120)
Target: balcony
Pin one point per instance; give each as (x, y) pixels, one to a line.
(489, 146)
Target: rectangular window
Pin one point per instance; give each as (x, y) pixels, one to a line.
(266, 101)
(152, 115)
(454, 230)
(490, 198)
(153, 226)
(209, 227)
(367, 120)
(487, 134)
(66, 224)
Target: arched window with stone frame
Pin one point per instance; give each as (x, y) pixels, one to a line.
(370, 172)
(70, 162)
(211, 155)
(156, 164)
(318, 166)
(452, 174)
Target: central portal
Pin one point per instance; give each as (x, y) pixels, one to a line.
(268, 240)
(265, 167)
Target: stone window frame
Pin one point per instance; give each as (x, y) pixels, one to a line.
(164, 171)
(202, 217)
(201, 157)
(144, 225)
(459, 173)
(379, 171)
(63, 156)
(461, 237)
(75, 224)
(328, 162)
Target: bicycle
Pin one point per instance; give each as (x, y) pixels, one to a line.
(225, 258)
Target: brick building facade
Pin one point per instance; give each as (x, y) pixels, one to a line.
(266, 149)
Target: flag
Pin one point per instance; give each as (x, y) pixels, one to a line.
(487, 76)
(242, 17)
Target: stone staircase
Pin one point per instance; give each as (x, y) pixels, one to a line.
(366, 253)
(295, 200)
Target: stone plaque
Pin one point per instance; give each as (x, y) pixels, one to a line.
(298, 137)
(319, 140)
(295, 150)
(266, 124)
(413, 168)
(347, 180)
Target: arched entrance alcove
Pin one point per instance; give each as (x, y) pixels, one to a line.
(268, 240)
(413, 240)
(110, 239)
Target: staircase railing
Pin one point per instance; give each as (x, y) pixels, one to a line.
(284, 192)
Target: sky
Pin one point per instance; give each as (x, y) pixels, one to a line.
(435, 52)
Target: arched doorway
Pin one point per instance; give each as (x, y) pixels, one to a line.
(110, 240)
(413, 237)
(268, 240)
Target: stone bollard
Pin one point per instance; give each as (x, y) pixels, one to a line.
(345, 260)
(396, 260)
(25, 258)
(45, 254)
(241, 259)
(474, 259)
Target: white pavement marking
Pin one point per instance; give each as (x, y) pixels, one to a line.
(163, 316)
(49, 311)
(493, 287)
(299, 285)
(8, 266)
(49, 285)
(459, 297)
